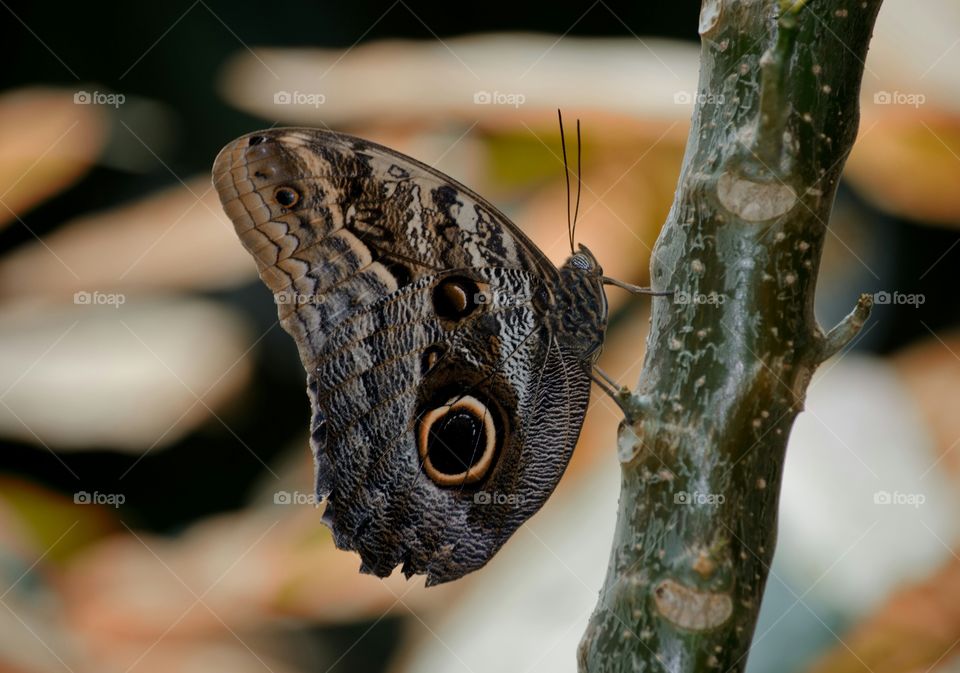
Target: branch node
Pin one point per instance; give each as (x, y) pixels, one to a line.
(634, 406)
(774, 104)
(846, 329)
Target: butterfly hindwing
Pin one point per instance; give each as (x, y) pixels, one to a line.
(445, 404)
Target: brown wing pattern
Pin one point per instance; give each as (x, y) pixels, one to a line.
(444, 407)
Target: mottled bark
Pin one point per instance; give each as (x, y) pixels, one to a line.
(730, 356)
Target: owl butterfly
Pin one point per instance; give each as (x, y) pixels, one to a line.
(448, 360)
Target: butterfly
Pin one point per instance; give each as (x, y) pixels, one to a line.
(448, 360)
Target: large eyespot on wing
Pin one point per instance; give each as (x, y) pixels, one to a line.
(457, 441)
(437, 495)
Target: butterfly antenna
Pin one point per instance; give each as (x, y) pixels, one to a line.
(576, 210)
(566, 175)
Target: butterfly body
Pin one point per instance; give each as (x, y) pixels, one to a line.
(448, 360)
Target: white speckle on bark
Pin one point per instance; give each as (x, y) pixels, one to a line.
(761, 483)
(754, 201)
(691, 609)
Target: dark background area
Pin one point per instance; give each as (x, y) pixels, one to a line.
(106, 45)
(101, 45)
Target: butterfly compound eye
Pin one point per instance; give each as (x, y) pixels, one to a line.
(581, 261)
(286, 196)
(457, 441)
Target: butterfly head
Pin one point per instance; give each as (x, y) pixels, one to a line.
(584, 261)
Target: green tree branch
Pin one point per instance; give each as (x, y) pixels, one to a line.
(729, 358)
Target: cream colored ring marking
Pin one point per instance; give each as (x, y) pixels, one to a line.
(479, 469)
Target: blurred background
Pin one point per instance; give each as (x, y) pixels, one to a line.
(155, 478)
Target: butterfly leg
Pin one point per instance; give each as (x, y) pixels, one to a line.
(636, 289)
(605, 382)
(630, 404)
